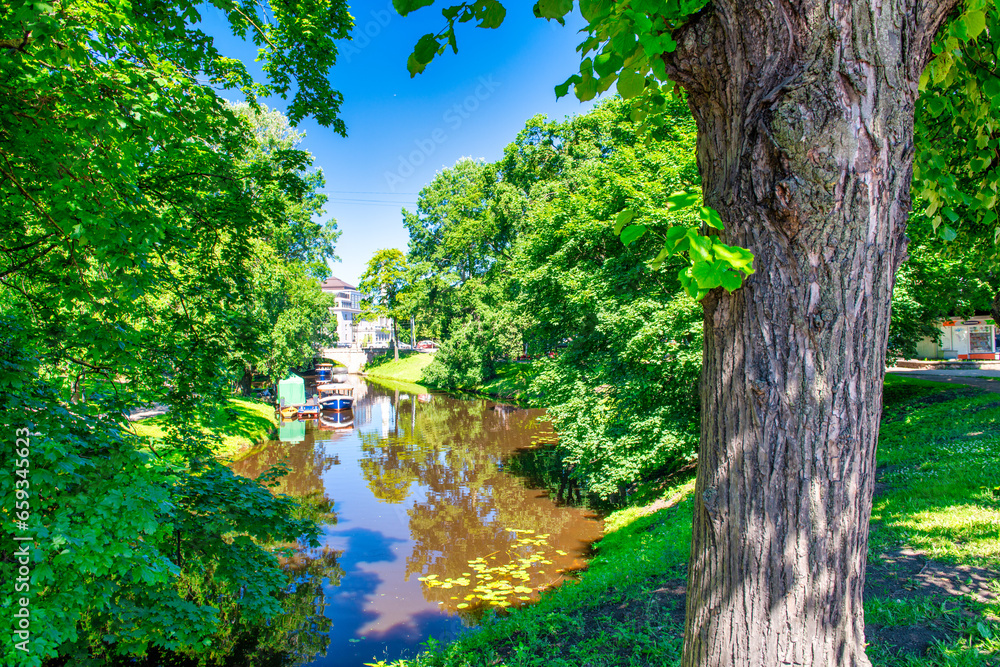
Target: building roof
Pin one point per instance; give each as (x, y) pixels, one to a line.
(333, 284)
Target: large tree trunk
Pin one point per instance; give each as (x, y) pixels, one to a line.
(805, 119)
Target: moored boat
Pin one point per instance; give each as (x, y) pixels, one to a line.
(308, 411)
(336, 402)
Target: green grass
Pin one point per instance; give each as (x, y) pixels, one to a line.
(402, 387)
(939, 456)
(408, 368)
(939, 452)
(939, 462)
(239, 425)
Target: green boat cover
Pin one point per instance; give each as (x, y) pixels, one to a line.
(292, 391)
(292, 431)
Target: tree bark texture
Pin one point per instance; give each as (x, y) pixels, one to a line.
(805, 119)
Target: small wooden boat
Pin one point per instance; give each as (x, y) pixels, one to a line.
(289, 412)
(308, 411)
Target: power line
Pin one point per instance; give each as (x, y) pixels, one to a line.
(371, 202)
(356, 192)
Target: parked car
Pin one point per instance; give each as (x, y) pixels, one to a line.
(427, 345)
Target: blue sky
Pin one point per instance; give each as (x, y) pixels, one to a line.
(401, 131)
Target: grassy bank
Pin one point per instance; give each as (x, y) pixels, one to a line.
(932, 593)
(408, 368)
(512, 382)
(238, 425)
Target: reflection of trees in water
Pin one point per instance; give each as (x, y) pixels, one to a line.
(454, 449)
(296, 635)
(306, 462)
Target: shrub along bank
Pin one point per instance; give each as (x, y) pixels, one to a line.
(933, 592)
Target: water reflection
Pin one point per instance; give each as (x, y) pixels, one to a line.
(430, 528)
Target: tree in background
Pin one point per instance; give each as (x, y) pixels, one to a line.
(133, 200)
(382, 287)
(289, 318)
(616, 345)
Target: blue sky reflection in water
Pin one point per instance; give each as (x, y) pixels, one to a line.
(420, 493)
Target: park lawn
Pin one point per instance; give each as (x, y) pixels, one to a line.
(408, 368)
(936, 511)
(240, 424)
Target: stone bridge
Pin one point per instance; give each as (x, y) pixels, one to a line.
(352, 357)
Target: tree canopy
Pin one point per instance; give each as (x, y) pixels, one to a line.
(144, 224)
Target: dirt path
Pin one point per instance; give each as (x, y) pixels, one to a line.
(149, 411)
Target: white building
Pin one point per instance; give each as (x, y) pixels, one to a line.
(352, 331)
(974, 338)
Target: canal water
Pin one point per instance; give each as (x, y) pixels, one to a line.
(430, 530)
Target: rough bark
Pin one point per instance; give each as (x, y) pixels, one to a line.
(246, 382)
(805, 119)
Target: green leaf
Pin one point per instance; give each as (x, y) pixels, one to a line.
(632, 233)
(737, 258)
(683, 199)
(404, 7)
(701, 247)
(659, 259)
(622, 219)
(710, 217)
(948, 234)
(731, 280)
(688, 282)
(492, 14)
(553, 9)
(707, 274)
(607, 63)
(630, 83)
(594, 10)
(677, 239)
(975, 23)
(563, 88)
(586, 88)
(425, 49)
(413, 66)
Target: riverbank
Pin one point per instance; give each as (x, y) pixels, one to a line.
(934, 559)
(408, 368)
(240, 424)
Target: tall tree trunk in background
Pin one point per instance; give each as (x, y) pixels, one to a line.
(246, 382)
(395, 343)
(805, 122)
(413, 333)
